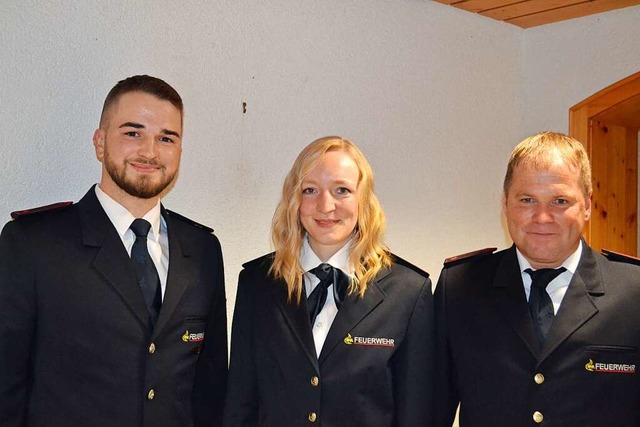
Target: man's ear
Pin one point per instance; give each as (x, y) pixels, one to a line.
(504, 204)
(98, 143)
(587, 206)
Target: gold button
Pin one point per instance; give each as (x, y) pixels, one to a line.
(538, 378)
(312, 417)
(152, 348)
(151, 394)
(314, 381)
(538, 417)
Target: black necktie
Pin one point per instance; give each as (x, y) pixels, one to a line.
(328, 275)
(540, 305)
(145, 270)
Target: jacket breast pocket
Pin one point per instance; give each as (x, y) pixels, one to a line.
(612, 348)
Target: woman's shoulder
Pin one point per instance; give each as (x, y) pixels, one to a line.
(402, 277)
(401, 264)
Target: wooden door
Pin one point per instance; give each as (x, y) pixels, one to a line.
(608, 123)
(615, 187)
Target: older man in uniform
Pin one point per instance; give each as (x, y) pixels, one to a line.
(105, 303)
(546, 332)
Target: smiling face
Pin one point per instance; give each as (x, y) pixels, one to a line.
(139, 145)
(546, 211)
(329, 207)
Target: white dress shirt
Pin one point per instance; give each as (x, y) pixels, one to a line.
(309, 261)
(557, 288)
(157, 239)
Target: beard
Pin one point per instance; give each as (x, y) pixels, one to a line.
(143, 187)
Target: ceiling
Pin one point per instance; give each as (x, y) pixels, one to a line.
(531, 13)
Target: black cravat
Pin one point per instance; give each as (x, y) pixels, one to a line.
(328, 275)
(145, 270)
(540, 305)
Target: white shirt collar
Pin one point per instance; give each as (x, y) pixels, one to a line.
(309, 260)
(121, 218)
(571, 263)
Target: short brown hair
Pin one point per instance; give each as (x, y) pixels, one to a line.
(542, 149)
(143, 83)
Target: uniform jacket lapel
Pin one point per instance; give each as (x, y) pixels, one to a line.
(111, 260)
(511, 300)
(181, 273)
(353, 310)
(297, 318)
(578, 305)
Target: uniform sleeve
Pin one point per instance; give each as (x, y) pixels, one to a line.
(17, 323)
(413, 365)
(211, 373)
(446, 392)
(241, 407)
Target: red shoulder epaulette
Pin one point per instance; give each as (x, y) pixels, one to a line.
(188, 221)
(616, 256)
(469, 256)
(51, 207)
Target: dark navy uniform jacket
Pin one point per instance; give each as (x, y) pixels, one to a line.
(586, 375)
(75, 345)
(374, 370)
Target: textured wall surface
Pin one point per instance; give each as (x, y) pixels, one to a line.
(430, 93)
(567, 62)
(436, 97)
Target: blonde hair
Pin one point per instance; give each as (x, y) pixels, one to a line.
(368, 253)
(544, 149)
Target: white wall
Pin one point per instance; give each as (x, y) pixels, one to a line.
(567, 62)
(431, 94)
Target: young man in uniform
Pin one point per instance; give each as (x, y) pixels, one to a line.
(105, 304)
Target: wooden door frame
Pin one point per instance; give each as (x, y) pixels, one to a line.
(581, 114)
